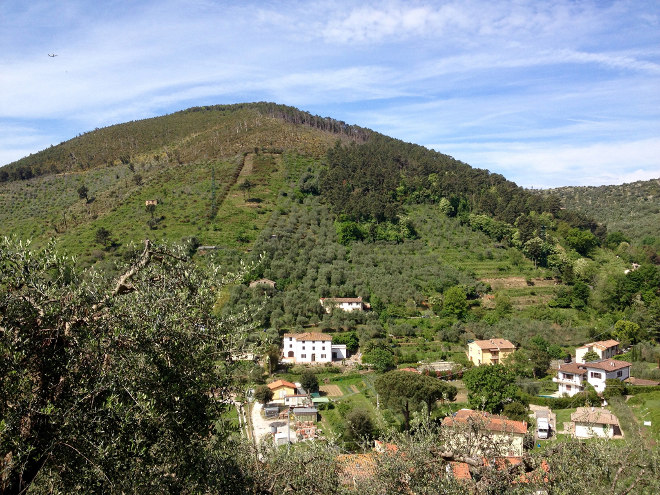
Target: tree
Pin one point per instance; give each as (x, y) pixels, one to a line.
(614, 388)
(626, 332)
(540, 361)
(405, 392)
(151, 209)
(590, 356)
(105, 383)
(490, 388)
(359, 425)
(516, 411)
(263, 394)
(137, 179)
(538, 250)
(82, 192)
(309, 381)
(381, 359)
(273, 357)
(350, 340)
(583, 241)
(245, 186)
(102, 236)
(455, 302)
(555, 351)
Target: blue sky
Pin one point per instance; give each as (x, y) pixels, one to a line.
(547, 93)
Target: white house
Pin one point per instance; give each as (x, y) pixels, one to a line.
(605, 349)
(311, 347)
(481, 433)
(344, 303)
(572, 377)
(595, 422)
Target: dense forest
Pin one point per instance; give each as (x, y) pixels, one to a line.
(633, 209)
(125, 318)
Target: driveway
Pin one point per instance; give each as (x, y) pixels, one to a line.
(552, 417)
(261, 426)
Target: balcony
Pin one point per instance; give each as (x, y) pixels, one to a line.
(568, 379)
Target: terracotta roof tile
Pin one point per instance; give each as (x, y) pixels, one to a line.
(492, 422)
(608, 365)
(594, 415)
(601, 344)
(342, 299)
(575, 368)
(309, 336)
(281, 383)
(494, 344)
(461, 470)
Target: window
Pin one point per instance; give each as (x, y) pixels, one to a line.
(568, 387)
(290, 346)
(303, 356)
(619, 373)
(303, 348)
(322, 356)
(596, 375)
(568, 376)
(323, 348)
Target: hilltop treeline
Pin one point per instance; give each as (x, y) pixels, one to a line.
(120, 143)
(373, 180)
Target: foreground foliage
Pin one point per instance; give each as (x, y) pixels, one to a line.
(106, 383)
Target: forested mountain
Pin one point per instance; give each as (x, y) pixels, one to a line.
(633, 208)
(118, 354)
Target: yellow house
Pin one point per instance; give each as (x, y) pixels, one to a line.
(281, 389)
(491, 351)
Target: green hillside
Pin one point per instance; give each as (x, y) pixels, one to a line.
(335, 210)
(128, 364)
(633, 209)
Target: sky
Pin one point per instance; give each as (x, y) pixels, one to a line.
(546, 93)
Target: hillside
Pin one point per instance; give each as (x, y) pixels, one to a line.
(134, 354)
(633, 208)
(363, 213)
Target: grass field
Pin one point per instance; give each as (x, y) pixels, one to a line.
(646, 407)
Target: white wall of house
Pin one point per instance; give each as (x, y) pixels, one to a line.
(353, 305)
(602, 353)
(590, 430)
(597, 376)
(569, 383)
(339, 352)
(308, 351)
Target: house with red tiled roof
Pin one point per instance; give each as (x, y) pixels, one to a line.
(572, 378)
(482, 433)
(490, 351)
(311, 347)
(593, 422)
(605, 349)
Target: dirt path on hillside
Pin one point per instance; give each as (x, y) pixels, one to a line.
(248, 165)
(518, 282)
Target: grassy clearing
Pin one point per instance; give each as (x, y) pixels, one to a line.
(646, 407)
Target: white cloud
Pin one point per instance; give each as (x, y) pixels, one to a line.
(547, 165)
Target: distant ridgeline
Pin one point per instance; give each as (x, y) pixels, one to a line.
(118, 143)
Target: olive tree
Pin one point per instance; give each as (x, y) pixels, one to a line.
(105, 384)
